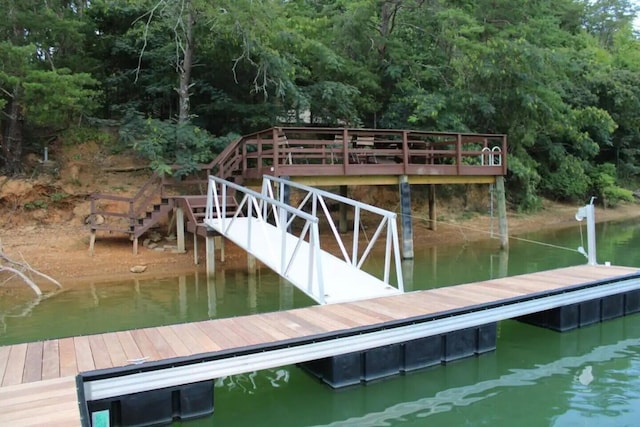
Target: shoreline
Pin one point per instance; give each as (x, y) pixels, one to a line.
(61, 250)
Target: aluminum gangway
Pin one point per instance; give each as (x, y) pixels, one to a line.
(287, 238)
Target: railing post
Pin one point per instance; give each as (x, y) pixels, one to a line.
(345, 150)
(458, 154)
(276, 151)
(356, 232)
(405, 152)
(503, 155)
(315, 250)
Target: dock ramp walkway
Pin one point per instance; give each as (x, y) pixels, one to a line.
(287, 238)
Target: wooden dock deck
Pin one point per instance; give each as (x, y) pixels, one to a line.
(37, 380)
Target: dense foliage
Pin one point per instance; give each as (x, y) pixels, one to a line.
(560, 77)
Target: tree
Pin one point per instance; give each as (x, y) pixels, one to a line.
(34, 91)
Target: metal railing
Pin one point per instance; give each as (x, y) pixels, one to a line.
(266, 210)
(257, 208)
(315, 201)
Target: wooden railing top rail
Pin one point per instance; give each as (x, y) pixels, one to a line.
(316, 151)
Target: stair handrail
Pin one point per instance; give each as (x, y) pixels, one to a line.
(132, 213)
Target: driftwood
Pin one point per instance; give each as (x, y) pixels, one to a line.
(22, 270)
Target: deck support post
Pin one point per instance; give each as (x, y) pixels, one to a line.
(221, 245)
(180, 229)
(503, 228)
(210, 255)
(195, 249)
(135, 246)
(342, 222)
(252, 264)
(212, 308)
(92, 242)
(433, 225)
(407, 274)
(405, 215)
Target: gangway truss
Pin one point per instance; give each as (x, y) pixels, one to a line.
(264, 225)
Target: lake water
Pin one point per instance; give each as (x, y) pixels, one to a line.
(536, 377)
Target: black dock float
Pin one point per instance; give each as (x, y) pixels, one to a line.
(386, 361)
(154, 407)
(573, 316)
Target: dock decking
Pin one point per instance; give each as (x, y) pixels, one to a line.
(37, 379)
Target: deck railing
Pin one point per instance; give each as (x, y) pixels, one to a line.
(305, 151)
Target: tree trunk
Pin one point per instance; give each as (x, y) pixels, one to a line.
(184, 67)
(12, 141)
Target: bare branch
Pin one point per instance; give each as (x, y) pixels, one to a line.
(146, 32)
(24, 278)
(19, 268)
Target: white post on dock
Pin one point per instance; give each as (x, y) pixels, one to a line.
(588, 212)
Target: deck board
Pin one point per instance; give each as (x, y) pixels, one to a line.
(147, 350)
(84, 358)
(129, 346)
(50, 402)
(15, 365)
(188, 340)
(38, 378)
(50, 360)
(4, 360)
(202, 338)
(163, 348)
(68, 363)
(117, 356)
(99, 352)
(33, 362)
(297, 323)
(174, 341)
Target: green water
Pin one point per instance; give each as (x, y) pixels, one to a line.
(536, 377)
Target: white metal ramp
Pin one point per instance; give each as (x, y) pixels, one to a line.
(261, 224)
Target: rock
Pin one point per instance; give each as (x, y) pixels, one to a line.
(155, 236)
(152, 245)
(146, 242)
(170, 237)
(138, 269)
(97, 219)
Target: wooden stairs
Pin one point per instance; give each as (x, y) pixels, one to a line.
(146, 210)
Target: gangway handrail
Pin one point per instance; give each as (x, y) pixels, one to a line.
(318, 196)
(256, 203)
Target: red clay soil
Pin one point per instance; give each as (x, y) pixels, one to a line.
(61, 249)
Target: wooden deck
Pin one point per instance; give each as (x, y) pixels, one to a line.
(37, 383)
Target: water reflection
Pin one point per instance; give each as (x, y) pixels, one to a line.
(137, 303)
(536, 377)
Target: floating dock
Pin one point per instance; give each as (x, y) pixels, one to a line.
(109, 377)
